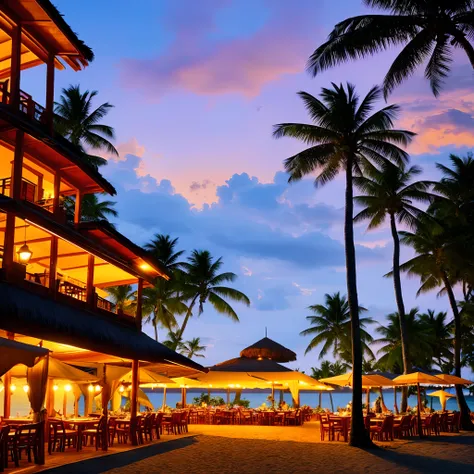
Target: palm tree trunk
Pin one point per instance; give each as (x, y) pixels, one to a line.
(395, 406)
(400, 305)
(320, 399)
(466, 423)
(189, 312)
(359, 436)
(332, 402)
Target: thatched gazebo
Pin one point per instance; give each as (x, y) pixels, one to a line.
(266, 348)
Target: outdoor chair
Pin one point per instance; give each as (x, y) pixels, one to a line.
(430, 425)
(59, 436)
(443, 422)
(384, 432)
(173, 424)
(122, 432)
(183, 423)
(293, 418)
(280, 419)
(4, 431)
(158, 428)
(141, 428)
(96, 433)
(112, 430)
(26, 438)
(326, 426)
(403, 428)
(453, 422)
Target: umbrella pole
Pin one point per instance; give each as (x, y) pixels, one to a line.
(164, 398)
(332, 403)
(367, 400)
(420, 428)
(273, 395)
(228, 396)
(320, 399)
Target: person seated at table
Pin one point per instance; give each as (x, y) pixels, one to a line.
(284, 406)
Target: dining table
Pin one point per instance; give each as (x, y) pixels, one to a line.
(16, 421)
(80, 424)
(345, 421)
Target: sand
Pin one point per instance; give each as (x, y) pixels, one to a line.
(257, 449)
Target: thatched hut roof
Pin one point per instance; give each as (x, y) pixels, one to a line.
(266, 348)
(243, 364)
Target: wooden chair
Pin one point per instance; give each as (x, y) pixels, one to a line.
(59, 436)
(122, 431)
(141, 428)
(158, 427)
(403, 428)
(443, 422)
(96, 433)
(293, 418)
(112, 430)
(183, 422)
(326, 426)
(384, 432)
(430, 425)
(173, 424)
(453, 422)
(280, 419)
(26, 438)
(4, 431)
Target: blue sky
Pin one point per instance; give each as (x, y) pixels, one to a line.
(197, 87)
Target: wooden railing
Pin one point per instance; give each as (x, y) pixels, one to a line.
(26, 105)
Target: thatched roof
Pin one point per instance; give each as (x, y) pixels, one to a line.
(243, 364)
(37, 316)
(266, 348)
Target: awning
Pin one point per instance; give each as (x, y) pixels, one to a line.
(266, 348)
(13, 353)
(33, 315)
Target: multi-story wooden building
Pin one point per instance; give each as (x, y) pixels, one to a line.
(54, 266)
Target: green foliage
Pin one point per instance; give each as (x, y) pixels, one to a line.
(212, 401)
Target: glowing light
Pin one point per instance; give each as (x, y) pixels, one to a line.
(26, 388)
(90, 388)
(145, 267)
(68, 388)
(97, 388)
(12, 387)
(24, 254)
(121, 389)
(55, 387)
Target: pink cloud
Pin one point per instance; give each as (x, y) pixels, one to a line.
(239, 65)
(130, 147)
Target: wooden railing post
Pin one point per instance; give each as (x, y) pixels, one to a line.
(15, 67)
(17, 169)
(138, 315)
(53, 263)
(133, 403)
(50, 92)
(90, 293)
(78, 208)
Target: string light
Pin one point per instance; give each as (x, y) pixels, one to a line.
(97, 388)
(90, 388)
(26, 388)
(121, 389)
(55, 387)
(67, 388)
(12, 387)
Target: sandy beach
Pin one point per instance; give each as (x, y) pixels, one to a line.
(248, 449)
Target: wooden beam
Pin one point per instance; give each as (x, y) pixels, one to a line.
(34, 241)
(138, 315)
(133, 403)
(78, 207)
(57, 190)
(90, 291)
(53, 264)
(9, 241)
(84, 266)
(17, 169)
(15, 67)
(50, 91)
(6, 387)
(62, 255)
(117, 283)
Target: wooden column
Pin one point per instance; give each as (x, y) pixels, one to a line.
(90, 292)
(17, 169)
(105, 409)
(78, 208)
(9, 242)
(50, 92)
(134, 403)
(15, 67)
(6, 387)
(57, 190)
(138, 315)
(53, 264)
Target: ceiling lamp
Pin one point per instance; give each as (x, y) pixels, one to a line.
(24, 253)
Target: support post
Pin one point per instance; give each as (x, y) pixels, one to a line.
(53, 264)
(418, 415)
(134, 403)
(57, 190)
(90, 293)
(15, 69)
(17, 169)
(50, 91)
(78, 208)
(138, 315)
(6, 387)
(105, 409)
(9, 242)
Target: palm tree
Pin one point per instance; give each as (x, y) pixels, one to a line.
(121, 296)
(331, 326)
(345, 136)
(419, 342)
(92, 208)
(193, 348)
(161, 304)
(390, 192)
(76, 120)
(429, 32)
(162, 247)
(203, 283)
(441, 336)
(174, 341)
(432, 265)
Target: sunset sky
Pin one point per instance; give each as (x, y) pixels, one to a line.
(197, 86)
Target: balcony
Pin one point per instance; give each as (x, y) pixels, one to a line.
(27, 105)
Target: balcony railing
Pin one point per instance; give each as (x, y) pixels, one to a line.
(26, 105)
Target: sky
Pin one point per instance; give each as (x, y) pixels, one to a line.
(197, 87)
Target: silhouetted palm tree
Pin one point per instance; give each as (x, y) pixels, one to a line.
(163, 248)
(390, 192)
(193, 348)
(344, 137)
(429, 32)
(203, 283)
(76, 120)
(121, 296)
(174, 341)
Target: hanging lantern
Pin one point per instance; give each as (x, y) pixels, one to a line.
(24, 254)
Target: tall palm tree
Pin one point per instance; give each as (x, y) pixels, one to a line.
(390, 192)
(419, 342)
(121, 296)
(331, 326)
(429, 32)
(161, 305)
(174, 341)
(442, 338)
(76, 120)
(92, 208)
(204, 284)
(163, 248)
(344, 137)
(432, 265)
(193, 348)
